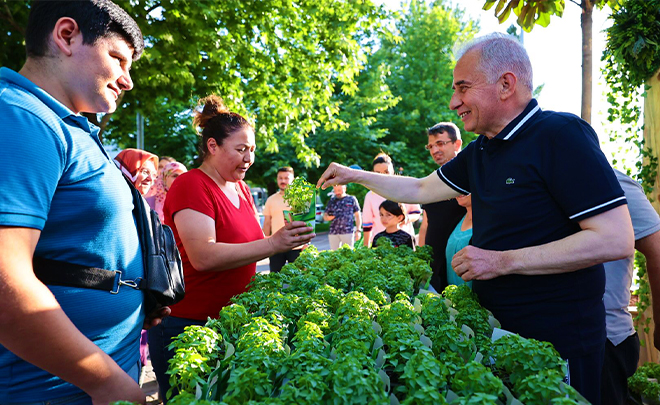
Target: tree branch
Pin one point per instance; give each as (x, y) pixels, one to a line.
(576, 3)
(10, 18)
(152, 8)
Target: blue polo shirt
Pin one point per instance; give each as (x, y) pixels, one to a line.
(57, 178)
(531, 184)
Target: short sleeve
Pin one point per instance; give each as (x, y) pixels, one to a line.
(413, 209)
(356, 205)
(189, 191)
(409, 241)
(329, 209)
(368, 212)
(578, 175)
(455, 172)
(645, 219)
(268, 207)
(33, 161)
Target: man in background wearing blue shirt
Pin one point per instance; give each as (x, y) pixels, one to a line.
(62, 198)
(547, 207)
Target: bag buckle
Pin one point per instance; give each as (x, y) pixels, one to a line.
(135, 284)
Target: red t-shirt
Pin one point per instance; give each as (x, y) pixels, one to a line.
(207, 292)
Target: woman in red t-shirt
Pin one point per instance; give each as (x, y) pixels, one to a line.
(216, 227)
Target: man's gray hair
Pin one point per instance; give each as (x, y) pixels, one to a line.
(500, 53)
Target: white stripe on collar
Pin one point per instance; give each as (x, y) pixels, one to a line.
(524, 120)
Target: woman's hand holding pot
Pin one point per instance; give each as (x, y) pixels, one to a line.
(292, 235)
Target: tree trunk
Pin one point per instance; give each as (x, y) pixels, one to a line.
(586, 22)
(652, 142)
(652, 129)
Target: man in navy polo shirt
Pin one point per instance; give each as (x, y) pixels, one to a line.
(440, 218)
(547, 207)
(62, 198)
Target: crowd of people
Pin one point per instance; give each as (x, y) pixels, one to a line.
(530, 215)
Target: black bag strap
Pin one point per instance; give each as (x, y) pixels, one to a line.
(54, 272)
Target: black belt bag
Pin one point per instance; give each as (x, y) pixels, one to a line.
(163, 270)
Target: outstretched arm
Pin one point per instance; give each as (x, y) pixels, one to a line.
(396, 188)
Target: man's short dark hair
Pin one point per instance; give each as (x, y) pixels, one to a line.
(285, 169)
(382, 157)
(449, 127)
(96, 19)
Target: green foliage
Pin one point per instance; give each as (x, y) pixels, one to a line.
(358, 332)
(543, 386)
(298, 195)
(247, 384)
(645, 381)
(357, 305)
(322, 346)
(231, 320)
(196, 351)
(434, 310)
(423, 371)
(449, 338)
(529, 12)
(419, 70)
(351, 383)
(400, 311)
(631, 52)
(307, 389)
(517, 358)
(276, 61)
(13, 20)
(476, 399)
(476, 378)
(424, 396)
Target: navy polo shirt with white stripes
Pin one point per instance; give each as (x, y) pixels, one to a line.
(532, 184)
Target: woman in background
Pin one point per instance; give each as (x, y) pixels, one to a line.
(372, 226)
(459, 239)
(139, 167)
(168, 174)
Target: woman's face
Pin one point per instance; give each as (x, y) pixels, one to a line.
(169, 179)
(384, 168)
(161, 164)
(145, 177)
(234, 157)
(465, 200)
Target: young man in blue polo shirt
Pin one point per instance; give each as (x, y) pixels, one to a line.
(62, 198)
(547, 208)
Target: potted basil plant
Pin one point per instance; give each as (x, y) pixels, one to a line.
(300, 196)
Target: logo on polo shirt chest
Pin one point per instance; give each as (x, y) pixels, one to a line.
(510, 180)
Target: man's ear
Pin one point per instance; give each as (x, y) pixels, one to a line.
(507, 85)
(66, 34)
